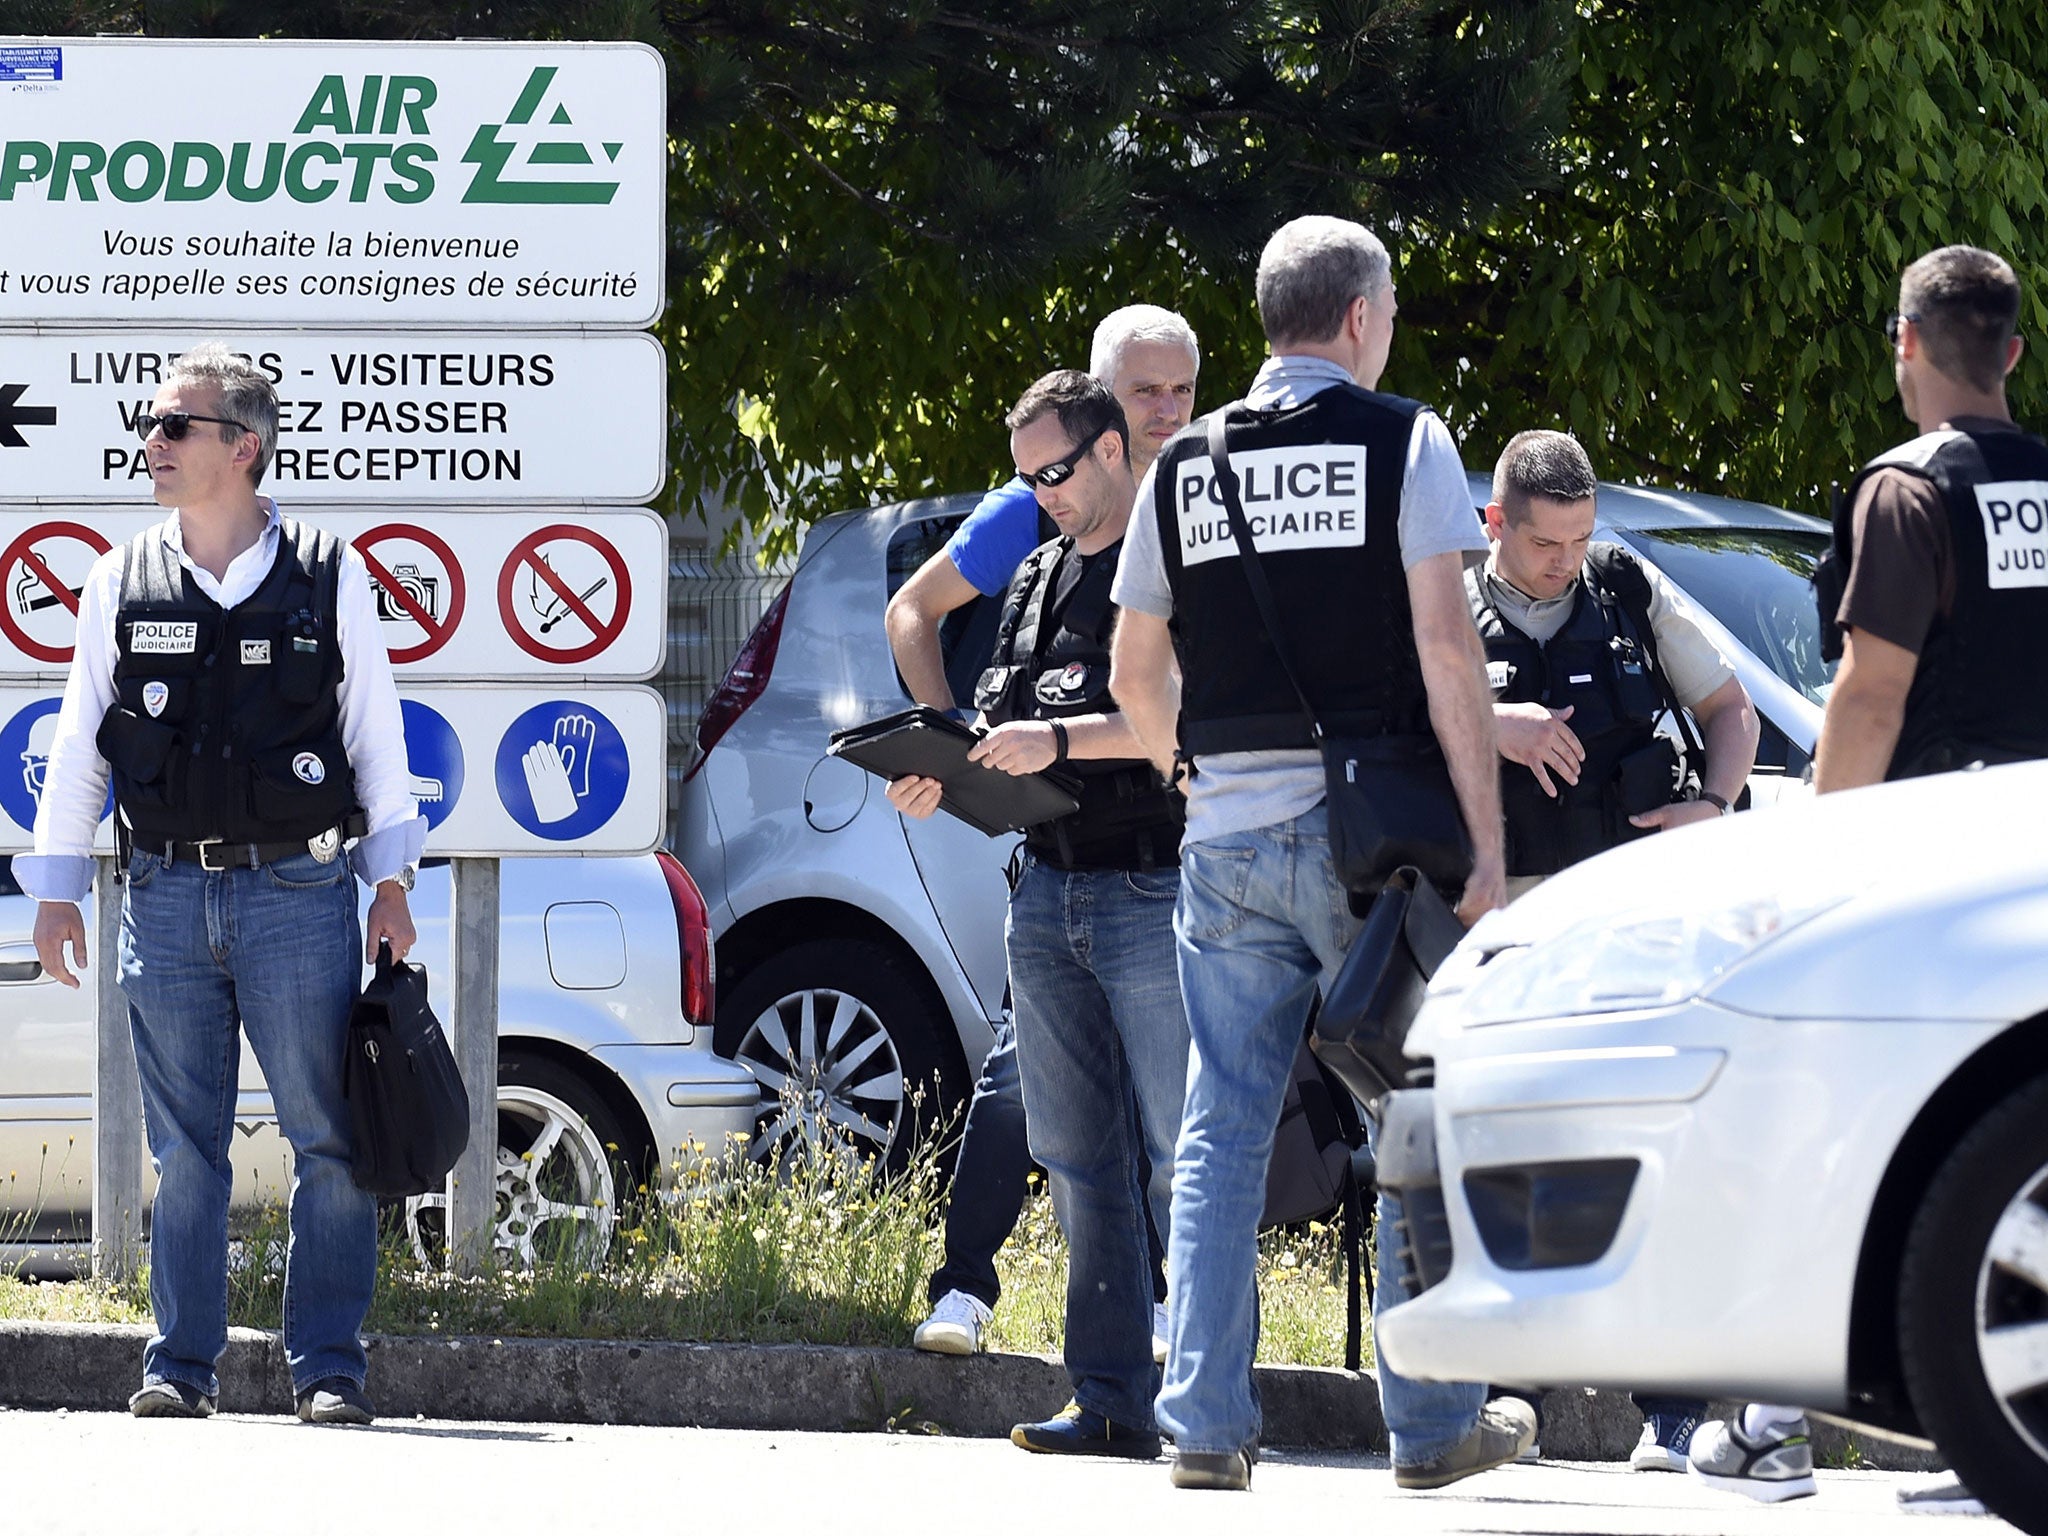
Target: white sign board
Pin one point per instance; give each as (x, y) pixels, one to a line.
(308, 183)
(560, 594)
(483, 417)
(496, 770)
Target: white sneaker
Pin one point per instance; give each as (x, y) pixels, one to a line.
(1159, 1333)
(958, 1326)
(1774, 1466)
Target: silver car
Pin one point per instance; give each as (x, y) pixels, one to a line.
(860, 953)
(605, 1072)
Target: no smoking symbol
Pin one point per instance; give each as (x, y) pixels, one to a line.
(32, 587)
(548, 610)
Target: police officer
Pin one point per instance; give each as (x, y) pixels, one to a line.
(1149, 358)
(1364, 522)
(1585, 649)
(1092, 972)
(1937, 580)
(231, 677)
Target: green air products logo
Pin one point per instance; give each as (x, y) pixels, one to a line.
(552, 160)
(358, 139)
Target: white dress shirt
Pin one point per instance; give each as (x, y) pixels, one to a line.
(372, 727)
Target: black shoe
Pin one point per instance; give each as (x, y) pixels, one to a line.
(171, 1400)
(335, 1400)
(1215, 1469)
(1078, 1431)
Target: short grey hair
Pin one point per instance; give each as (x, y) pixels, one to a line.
(245, 391)
(1965, 302)
(1133, 325)
(1552, 465)
(1311, 271)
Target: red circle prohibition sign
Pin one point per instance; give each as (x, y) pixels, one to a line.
(437, 631)
(527, 553)
(22, 551)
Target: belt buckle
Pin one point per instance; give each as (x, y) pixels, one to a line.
(205, 843)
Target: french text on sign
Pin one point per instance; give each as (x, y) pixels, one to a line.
(481, 418)
(337, 184)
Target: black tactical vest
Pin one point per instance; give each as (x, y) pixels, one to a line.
(1600, 665)
(226, 724)
(1321, 486)
(1970, 700)
(1056, 670)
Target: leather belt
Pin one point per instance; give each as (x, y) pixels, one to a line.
(217, 856)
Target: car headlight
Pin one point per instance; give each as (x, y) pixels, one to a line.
(1605, 966)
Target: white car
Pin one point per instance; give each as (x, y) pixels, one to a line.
(1757, 1109)
(605, 1058)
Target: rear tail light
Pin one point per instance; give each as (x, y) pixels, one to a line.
(693, 929)
(743, 681)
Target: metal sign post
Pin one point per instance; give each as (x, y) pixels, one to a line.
(473, 956)
(116, 1096)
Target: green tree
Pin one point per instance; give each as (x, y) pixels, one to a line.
(1700, 296)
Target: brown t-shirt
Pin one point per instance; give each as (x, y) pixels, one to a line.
(1903, 574)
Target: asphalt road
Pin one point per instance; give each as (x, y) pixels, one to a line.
(98, 1473)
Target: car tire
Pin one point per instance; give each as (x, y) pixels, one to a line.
(566, 1200)
(854, 1036)
(1975, 1274)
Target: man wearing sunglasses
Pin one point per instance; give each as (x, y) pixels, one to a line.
(1099, 1021)
(230, 676)
(1148, 358)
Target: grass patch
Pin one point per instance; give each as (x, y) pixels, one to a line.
(828, 1253)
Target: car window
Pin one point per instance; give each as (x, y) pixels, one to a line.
(968, 633)
(1757, 582)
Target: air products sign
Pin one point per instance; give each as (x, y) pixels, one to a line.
(154, 182)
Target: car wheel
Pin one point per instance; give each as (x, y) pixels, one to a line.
(845, 1042)
(1973, 1309)
(562, 1159)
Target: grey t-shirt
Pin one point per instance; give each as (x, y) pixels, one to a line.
(1237, 791)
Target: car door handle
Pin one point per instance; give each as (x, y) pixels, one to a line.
(21, 970)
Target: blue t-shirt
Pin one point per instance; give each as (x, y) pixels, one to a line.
(998, 534)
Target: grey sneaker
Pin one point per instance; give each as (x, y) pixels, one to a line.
(958, 1326)
(1228, 1470)
(171, 1400)
(1775, 1466)
(1949, 1498)
(1506, 1428)
(335, 1400)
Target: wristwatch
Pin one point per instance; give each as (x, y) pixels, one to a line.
(405, 877)
(1716, 801)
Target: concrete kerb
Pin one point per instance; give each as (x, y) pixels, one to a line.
(781, 1387)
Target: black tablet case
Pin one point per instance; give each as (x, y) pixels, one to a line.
(925, 742)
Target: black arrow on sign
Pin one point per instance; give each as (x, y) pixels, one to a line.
(13, 417)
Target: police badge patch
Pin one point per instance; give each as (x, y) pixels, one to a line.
(155, 695)
(1073, 678)
(326, 846)
(309, 768)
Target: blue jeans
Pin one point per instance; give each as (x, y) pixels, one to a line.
(990, 1177)
(1099, 1026)
(277, 949)
(1262, 924)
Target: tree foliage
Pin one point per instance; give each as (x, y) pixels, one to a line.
(1700, 297)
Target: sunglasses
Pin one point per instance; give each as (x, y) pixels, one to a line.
(1060, 471)
(1891, 326)
(177, 423)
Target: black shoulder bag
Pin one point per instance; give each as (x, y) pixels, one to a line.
(407, 1107)
(1391, 798)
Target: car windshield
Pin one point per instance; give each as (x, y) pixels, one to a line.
(1757, 582)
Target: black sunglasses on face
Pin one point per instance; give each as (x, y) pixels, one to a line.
(177, 423)
(1891, 326)
(1060, 471)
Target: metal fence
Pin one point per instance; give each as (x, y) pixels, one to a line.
(714, 602)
